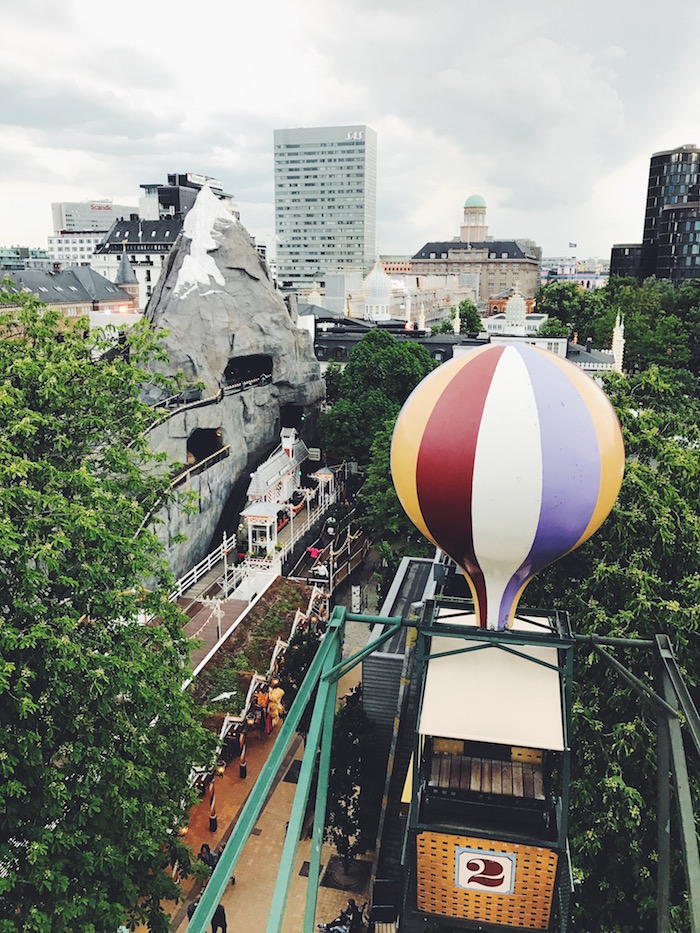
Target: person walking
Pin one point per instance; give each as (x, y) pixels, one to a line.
(218, 921)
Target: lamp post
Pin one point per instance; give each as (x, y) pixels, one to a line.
(213, 821)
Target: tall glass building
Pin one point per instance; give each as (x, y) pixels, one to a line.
(325, 202)
(670, 247)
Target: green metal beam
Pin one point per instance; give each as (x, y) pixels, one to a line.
(324, 768)
(495, 644)
(684, 803)
(448, 654)
(326, 696)
(645, 692)
(668, 659)
(567, 682)
(593, 640)
(663, 820)
(348, 663)
(219, 880)
(374, 620)
(512, 636)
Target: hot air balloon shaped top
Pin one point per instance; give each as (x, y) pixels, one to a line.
(507, 458)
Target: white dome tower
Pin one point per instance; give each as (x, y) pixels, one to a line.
(377, 292)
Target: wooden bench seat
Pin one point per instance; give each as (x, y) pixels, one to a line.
(457, 775)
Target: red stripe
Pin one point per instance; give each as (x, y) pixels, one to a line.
(445, 466)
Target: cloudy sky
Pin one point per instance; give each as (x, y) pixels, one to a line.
(550, 110)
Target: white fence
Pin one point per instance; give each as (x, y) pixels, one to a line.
(234, 578)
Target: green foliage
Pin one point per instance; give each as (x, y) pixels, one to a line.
(299, 654)
(382, 513)
(469, 318)
(354, 793)
(571, 305)
(383, 516)
(553, 327)
(333, 377)
(97, 738)
(444, 327)
(378, 378)
(638, 575)
(230, 677)
(662, 323)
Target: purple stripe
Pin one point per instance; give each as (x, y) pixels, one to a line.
(570, 469)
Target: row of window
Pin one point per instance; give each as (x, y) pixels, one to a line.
(58, 288)
(118, 234)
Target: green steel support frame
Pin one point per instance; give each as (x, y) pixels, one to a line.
(219, 880)
(325, 670)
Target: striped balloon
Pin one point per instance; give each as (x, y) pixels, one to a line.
(507, 458)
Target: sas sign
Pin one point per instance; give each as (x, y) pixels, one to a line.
(489, 872)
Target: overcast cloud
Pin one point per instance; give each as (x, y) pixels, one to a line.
(549, 110)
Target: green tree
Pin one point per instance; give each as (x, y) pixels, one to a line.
(469, 318)
(299, 654)
(638, 575)
(378, 378)
(444, 327)
(553, 327)
(382, 513)
(354, 794)
(333, 378)
(576, 308)
(97, 737)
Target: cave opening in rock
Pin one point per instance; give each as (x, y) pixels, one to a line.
(202, 443)
(243, 368)
(292, 416)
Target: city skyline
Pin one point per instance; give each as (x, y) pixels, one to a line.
(551, 118)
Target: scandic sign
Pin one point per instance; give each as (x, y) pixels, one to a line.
(101, 207)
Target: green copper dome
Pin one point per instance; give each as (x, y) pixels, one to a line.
(475, 200)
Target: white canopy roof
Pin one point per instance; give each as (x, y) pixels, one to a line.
(265, 511)
(491, 695)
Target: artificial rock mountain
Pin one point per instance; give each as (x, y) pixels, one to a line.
(221, 312)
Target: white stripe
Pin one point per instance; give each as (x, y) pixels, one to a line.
(507, 483)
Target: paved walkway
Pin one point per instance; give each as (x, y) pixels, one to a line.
(205, 625)
(248, 902)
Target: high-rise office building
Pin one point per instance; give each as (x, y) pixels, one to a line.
(670, 247)
(78, 227)
(325, 202)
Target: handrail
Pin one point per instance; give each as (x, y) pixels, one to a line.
(201, 465)
(230, 389)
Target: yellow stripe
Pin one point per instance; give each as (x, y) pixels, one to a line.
(610, 443)
(514, 606)
(408, 434)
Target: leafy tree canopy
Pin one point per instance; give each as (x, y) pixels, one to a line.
(354, 793)
(444, 327)
(638, 575)
(469, 318)
(97, 738)
(662, 322)
(553, 327)
(378, 378)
